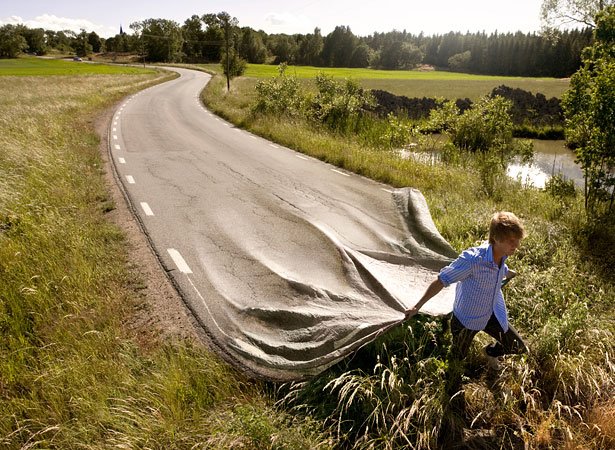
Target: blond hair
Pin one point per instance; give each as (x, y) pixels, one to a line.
(505, 224)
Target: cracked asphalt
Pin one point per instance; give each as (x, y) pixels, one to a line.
(287, 262)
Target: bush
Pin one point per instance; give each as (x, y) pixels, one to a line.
(279, 95)
(339, 104)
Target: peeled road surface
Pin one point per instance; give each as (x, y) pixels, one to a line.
(289, 263)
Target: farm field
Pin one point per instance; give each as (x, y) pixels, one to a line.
(414, 83)
(31, 66)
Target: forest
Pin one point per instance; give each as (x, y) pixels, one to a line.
(201, 39)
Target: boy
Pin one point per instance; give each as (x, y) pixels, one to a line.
(479, 303)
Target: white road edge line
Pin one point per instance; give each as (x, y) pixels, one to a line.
(146, 209)
(130, 179)
(387, 190)
(179, 261)
(273, 145)
(301, 157)
(341, 173)
(207, 307)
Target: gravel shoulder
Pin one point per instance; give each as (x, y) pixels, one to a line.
(160, 314)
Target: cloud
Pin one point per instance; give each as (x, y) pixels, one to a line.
(55, 23)
(288, 22)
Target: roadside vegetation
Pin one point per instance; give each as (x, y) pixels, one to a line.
(390, 395)
(72, 374)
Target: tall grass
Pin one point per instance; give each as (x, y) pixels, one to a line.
(72, 375)
(391, 394)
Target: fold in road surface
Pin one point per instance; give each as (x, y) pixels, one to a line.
(289, 263)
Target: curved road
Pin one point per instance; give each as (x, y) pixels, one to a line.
(288, 262)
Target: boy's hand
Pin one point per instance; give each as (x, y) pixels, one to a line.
(411, 312)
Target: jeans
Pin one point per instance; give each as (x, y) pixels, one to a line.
(508, 342)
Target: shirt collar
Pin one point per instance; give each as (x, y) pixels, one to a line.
(489, 255)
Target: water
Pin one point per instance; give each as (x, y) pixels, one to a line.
(550, 157)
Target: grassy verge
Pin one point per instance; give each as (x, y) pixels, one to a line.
(71, 374)
(560, 395)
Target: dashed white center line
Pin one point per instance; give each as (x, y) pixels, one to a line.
(301, 157)
(114, 129)
(341, 173)
(117, 147)
(179, 260)
(122, 160)
(130, 179)
(146, 209)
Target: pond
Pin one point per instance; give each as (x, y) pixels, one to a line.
(550, 157)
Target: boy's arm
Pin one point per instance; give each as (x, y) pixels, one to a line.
(435, 287)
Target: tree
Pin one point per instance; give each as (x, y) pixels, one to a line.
(460, 62)
(231, 62)
(589, 109)
(558, 13)
(214, 38)
(339, 46)
(11, 42)
(361, 56)
(194, 39)
(310, 48)
(35, 37)
(81, 45)
(284, 48)
(59, 40)
(251, 46)
(95, 41)
(161, 39)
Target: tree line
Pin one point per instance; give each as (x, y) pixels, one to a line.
(201, 39)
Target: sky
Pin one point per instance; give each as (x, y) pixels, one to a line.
(284, 16)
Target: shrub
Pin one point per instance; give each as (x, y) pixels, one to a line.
(339, 104)
(279, 95)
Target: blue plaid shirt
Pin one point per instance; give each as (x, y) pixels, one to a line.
(479, 289)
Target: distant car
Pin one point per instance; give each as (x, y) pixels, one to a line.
(76, 58)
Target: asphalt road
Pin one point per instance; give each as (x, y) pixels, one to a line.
(288, 262)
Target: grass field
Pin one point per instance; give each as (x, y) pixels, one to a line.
(413, 83)
(30, 66)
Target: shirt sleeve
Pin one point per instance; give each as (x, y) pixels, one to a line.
(458, 270)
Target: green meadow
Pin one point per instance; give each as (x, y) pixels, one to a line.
(31, 66)
(414, 83)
